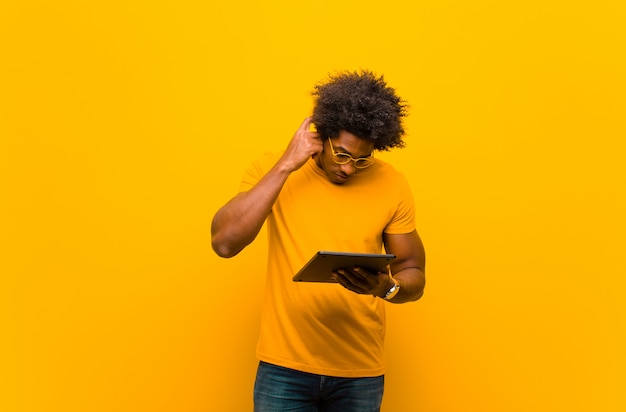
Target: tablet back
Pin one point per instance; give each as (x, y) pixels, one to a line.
(320, 267)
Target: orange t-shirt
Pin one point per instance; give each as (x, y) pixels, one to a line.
(325, 328)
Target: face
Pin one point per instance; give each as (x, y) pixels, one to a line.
(345, 143)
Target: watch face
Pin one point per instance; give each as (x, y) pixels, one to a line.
(393, 291)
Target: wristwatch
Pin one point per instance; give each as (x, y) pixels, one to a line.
(393, 291)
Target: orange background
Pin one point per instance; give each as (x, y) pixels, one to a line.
(124, 125)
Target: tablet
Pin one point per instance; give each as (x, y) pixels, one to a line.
(320, 267)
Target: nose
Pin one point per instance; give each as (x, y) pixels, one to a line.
(348, 169)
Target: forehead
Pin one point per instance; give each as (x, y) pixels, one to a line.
(353, 145)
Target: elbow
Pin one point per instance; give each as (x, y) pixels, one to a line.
(221, 244)
(228, 243)
(223, 250)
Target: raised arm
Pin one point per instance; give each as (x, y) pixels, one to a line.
(237, 223)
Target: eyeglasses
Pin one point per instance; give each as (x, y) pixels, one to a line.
(344, 158)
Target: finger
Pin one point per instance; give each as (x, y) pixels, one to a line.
(318, 143)
(361, 273)
(348, 280)
(306, 125)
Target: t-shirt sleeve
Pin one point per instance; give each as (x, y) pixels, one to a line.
(403, 220)
(257, 169)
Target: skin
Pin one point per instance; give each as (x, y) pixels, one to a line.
(347, 143)
(239, 221)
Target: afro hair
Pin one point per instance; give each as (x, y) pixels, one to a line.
(360, 103)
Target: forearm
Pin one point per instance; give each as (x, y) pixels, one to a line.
(238, 222)
(412, 282)
(409, 267)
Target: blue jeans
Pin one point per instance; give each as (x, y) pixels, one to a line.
(279, 389)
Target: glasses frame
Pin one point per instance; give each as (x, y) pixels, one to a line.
(369, 159)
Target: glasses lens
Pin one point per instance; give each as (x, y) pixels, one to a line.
(342, 158)
(363, 163)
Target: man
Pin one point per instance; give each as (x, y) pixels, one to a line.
(321, 345)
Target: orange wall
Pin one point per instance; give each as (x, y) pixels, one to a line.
(124, 125)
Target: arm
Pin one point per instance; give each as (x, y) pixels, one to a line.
(409, 267)
(238, 222)
(408, 270)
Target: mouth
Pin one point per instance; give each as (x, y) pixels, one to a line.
(341, 177)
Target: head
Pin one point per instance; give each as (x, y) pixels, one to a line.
(355, 113)
(362, 104)
(344, 156)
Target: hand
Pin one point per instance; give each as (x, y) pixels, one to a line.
(303, 145)
(363, 282)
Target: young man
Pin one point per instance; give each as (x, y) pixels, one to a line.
(321, 345)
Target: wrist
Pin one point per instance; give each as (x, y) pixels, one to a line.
(392, 290)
